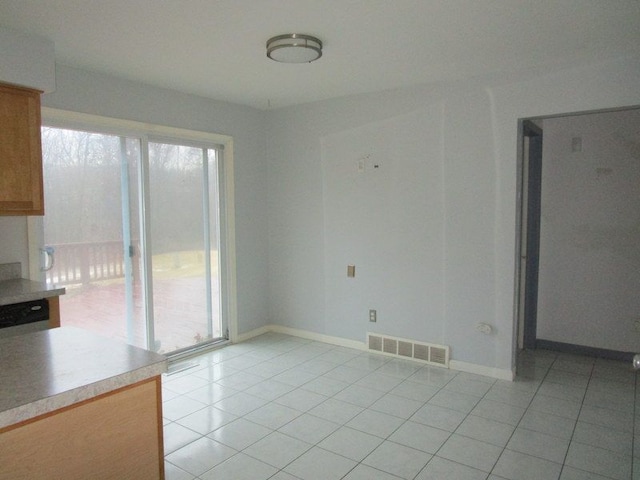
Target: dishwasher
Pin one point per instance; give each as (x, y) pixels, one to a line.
(25, 317)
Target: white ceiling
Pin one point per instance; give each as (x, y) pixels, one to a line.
(216, 48)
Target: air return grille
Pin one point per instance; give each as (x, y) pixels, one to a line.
(405, 349)
(375, 343)
(400, 347)
(389, 345)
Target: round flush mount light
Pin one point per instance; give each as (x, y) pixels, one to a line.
(294, 48)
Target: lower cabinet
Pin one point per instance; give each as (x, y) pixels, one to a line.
(54, 312)
(117, 435)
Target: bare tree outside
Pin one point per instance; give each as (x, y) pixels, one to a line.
(92, 220)
(81, 169)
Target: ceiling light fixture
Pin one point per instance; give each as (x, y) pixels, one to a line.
(294, 48)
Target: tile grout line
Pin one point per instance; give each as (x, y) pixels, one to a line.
(456, 429)
(300, 386)
(404, 421)
(357, 463)
(384, 439)
(525, 412)
(240, 391)
(573, 431)
(634, 426)
(302, 413)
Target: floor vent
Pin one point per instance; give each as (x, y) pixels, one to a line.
(400, 347)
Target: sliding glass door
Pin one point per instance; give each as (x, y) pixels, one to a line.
(133, 228)
(91, 230)
(184, 244)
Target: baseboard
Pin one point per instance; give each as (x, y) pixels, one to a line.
(296, 332)
(498, 373)
(584, 350)
(318, 337)
(243, 337)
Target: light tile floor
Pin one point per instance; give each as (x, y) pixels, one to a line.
(284, 408)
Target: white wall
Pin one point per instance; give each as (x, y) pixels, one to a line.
(370, 222)
(27, 60)
(590, 231)
(86, 92)
(432, 232)
(13, 242)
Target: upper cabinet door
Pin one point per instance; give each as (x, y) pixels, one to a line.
(21, 191)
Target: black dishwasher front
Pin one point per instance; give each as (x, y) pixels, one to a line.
(16, 318)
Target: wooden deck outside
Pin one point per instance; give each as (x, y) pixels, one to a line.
(179, 312)
(93, 274)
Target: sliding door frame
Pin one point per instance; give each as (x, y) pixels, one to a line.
(221, 223)
(223, 144)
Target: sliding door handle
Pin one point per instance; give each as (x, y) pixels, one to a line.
(49, 258)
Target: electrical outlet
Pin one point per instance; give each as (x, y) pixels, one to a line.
(373, 315)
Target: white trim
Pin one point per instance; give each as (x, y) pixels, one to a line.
(117, 126)
(499, 373)
(319, 337)
(295, 332)
(256, 332)
(144, 198)
(82, 121)
(230, 239)
(413, 343)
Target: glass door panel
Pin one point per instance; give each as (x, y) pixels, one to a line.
(155, 280)
(184, 246)
(92, 226)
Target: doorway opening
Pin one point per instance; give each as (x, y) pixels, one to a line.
(578, 262)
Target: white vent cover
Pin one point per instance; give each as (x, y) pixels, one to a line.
(438, 355)
(401, 347)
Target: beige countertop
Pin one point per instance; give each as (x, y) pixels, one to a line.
(19, 290)
(45, 371)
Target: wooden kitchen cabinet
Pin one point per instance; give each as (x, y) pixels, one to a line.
(54, 312)
(78, 406)
(21, 191)
(117, 435)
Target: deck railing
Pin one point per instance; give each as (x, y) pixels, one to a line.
(82, 263)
